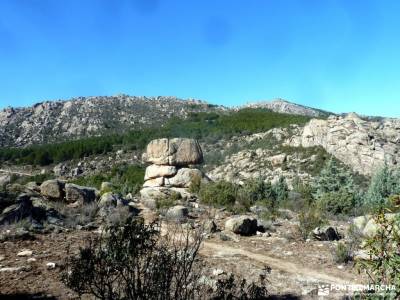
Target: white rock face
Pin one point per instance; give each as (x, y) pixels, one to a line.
(283, 106)
(363, 145)
(154, 171)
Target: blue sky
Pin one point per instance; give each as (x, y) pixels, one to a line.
(336, 55)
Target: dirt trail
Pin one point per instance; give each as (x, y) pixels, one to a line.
(15, 172)
(307, 273)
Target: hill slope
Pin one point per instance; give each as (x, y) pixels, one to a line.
(90, 116)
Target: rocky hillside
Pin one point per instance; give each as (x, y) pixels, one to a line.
(54, 121)
(283, 106)
(363, 145)
(89, 116)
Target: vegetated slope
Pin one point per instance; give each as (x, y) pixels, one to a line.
(283, 106)
(207, 127)
(55, 121)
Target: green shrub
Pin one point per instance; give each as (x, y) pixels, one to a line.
(300, 197)
(219, 194)
(195, 185)
(384, 183)
(124, 178)
(309, 219)
(257, 190)
(164, 203)
(340, 202)
(383, 267)
(333, 178)
(280, 190)
(134, 262)
(342, 254)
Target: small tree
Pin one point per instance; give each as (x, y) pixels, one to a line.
(281, 190)
(384, 183)
(333, 178)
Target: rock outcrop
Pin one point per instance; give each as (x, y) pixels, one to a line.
(170, 172)
(52, 189)
(362, 144)
(79, 194)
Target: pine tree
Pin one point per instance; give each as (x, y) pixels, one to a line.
(383, 184)
(281, 189)
(333, 178)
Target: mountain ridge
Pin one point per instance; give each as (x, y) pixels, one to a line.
(50, 121)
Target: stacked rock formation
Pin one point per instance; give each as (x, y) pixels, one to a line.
(171, 167)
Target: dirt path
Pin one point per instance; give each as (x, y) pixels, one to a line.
(15, 172)
(310, 273)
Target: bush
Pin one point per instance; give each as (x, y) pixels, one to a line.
(165, 203)
(309, 219)
(300, 197)
(281, 190)
(335, 190)
(333, 178)
(342, 254)
(195, 185)
(340, 202)
(135, 262)
(232, 288)
(219, 194)
(383, 184)
(383, 267)
(124, 178)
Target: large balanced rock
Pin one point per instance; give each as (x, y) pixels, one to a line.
(53, 189)
(173, 152)
(243, 225)
(80, 194)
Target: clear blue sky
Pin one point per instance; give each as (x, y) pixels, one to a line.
(335, 55)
